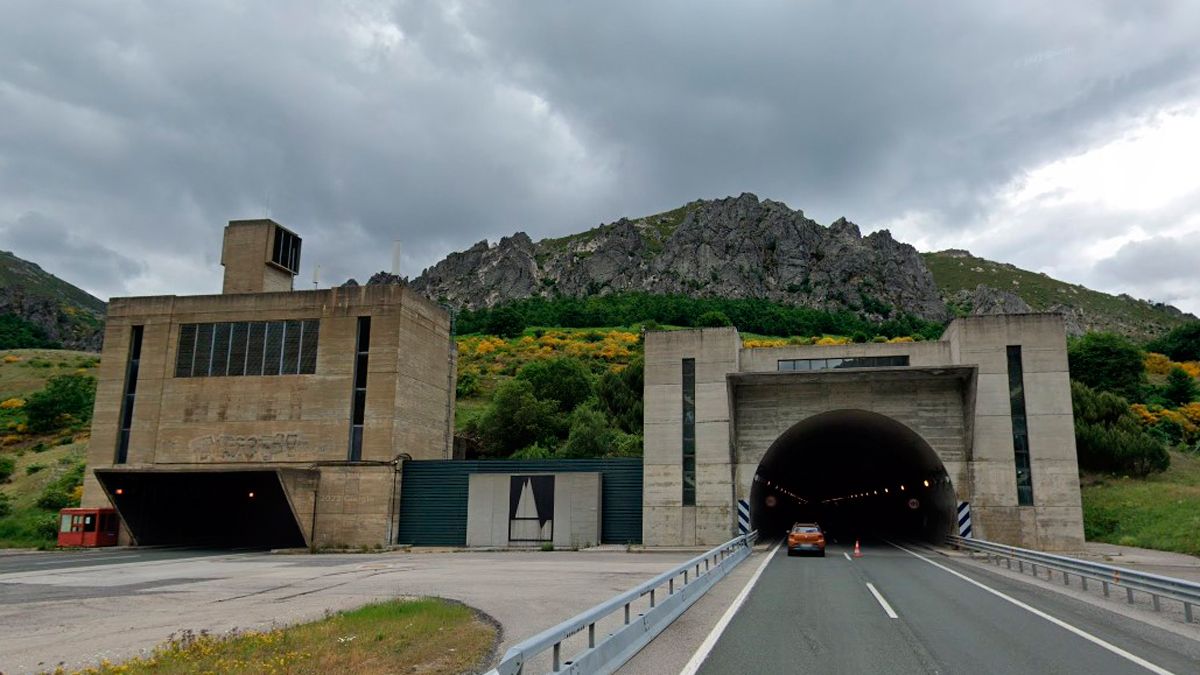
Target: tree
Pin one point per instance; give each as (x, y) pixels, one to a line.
(1108, 362)
(66, 399)
(565, 381)
(505, 321)
(1181, 344)
(620, 396)
(1180, 388)
(713, 319)
(18, 333)
(591, 435)
(516, 419)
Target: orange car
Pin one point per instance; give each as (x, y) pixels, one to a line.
(806, 537)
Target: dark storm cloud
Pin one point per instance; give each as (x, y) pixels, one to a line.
(144, 126)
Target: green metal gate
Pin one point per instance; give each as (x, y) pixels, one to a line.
(433, 496)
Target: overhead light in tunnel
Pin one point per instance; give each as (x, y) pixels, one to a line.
(901, 487)
(251, 495)
(119, 491)
(885, 489)
(926, 482)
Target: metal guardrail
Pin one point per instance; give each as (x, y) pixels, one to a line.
(1180, 590)
(684, 584)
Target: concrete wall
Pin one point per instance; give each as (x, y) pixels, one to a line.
(665, 521)
(954, 395)
(287, 419)
(576, 510)
(1055, 521)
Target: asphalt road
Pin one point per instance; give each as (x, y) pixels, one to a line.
(55, 560)
(819, 615)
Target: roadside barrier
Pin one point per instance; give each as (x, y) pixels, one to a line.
(1157, 587)
(669, 594)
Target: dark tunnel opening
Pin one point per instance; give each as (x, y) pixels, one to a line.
(856, 473)
(210, 509)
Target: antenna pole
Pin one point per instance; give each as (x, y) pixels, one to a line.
(396, 257)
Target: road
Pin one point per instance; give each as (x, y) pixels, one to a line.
(76, 608)
(822, 615)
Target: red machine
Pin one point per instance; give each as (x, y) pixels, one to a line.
(88, 527)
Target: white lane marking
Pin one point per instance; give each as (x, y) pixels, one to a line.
(882, 603)
(706, 647)
(847, 556)
(1058, 622)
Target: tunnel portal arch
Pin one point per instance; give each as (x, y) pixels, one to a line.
(856, 472)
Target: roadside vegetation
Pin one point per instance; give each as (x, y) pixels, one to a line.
(1160, 511)
(46, 400)
(399, 636)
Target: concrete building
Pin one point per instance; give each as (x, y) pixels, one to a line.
(266, 415)
(864, 436)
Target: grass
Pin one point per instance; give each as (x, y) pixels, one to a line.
(23, 372)
(1137, 319)
(425, 635)
(1159, 512)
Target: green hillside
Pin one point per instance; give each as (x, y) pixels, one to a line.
(1086, 310)
(62, 314)
(39, 283)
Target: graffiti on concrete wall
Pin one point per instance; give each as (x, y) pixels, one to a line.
(249, 448)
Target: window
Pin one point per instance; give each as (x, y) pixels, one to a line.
(849, 362)
(1020, 427)
(285, 250)
(358, 401)
(131, 376)
(689, 432)
(248, 348)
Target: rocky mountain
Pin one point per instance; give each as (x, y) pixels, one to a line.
(973, 285)
(738, 247)
(67, 314)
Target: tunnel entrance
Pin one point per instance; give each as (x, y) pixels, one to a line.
(218, 509)
(856, 473)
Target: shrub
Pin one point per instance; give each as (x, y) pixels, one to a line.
(535, 451)
(5, 504)
(65, 399)
(34, 468)
(1108, 362)
(467, 385)
(1109, 437)
(565, 381)
(590, 434)
(505, 322)
(8, 465)
(53, 499)
(18, 333)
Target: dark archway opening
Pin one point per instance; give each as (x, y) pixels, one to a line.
(856, 473)
(211, 509)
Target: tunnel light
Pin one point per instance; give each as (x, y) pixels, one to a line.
(885, 489)
(251, 495)
(901, 487)
(120, 491)
(926, 482)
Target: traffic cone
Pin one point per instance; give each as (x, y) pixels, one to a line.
(857, 550)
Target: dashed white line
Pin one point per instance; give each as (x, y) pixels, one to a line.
(1058, 622)
(887, 609)
(847, 556)
(706, 647)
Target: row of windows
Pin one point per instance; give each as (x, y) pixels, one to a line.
(853, 362)
(248, 348)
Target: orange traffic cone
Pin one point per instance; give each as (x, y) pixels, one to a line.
(857, 550)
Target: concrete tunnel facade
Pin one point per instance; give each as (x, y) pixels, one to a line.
(983, 414)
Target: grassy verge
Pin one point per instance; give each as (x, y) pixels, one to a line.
(1160, 512)
(399, 636)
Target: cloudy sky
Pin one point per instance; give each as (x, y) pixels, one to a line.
(1063, 137)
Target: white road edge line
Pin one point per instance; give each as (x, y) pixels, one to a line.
(882, 603)
(1058, 622)
(847, 556)
(706, 647)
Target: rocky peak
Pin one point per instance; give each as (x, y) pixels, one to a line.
(736, 247)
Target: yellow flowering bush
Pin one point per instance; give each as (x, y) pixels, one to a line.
(11, 358)
(13, 404)
(1159, 364)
